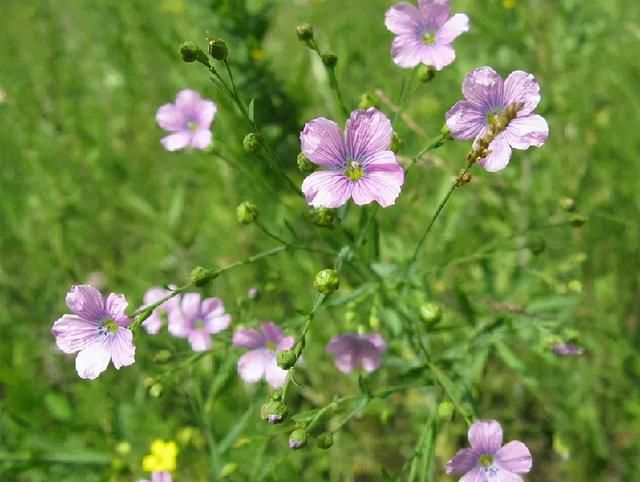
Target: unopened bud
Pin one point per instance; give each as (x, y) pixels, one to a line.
(326, 281)
(247, 212)
(329, 60)
(305, 165)
(445, 410)
(190, 52)
(322, 217)
(274, 412)
(276, 394)
(286, 359)
(252, 142)
(396, 143)
(304, 32)
(568, 204)
(201, 276)
(297, 438)
(218, 49)
(578, 220)
(155, 390)
(368, 100)
(325, 440)
(426, 73)
(431, 313)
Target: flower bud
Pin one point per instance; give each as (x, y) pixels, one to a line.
(396, 143)
(368, 100)
(431, 313)
(252, 143)
(304, 32)
(305, 165)
(568, 204)
(322, 217)
(190, 51)
(155, 390)
(276, 394)
(274, 412)
(286, 359)
(426, 73)
(247, 212)
(325, 440)
(578, 220)
(329, 60)
(297, 438)
(218, 49)
(201, 276)
(326, 281)
(445, 410)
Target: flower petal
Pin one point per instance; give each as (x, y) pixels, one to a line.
(370, 356)
(322, 143)
(438, 56)
(465, 121)
(527, 131)
(462, 462)
(485, 436)
(522, 87)
(476, 474)
(330, 189)
(188, 101)
(505, 476)
(345, 351)
(515, 457)
(93, 359)
(190, 306)
(74, 333)
(483, 87)
(153, 324)
(217, 323)
(179, 140)
(272, 332)
(406, 51)
(122, 348)
(452, 28)
(368, 132)
(286, 343)
(275, 375)
(249, 338)
(212, 306)
(403, 18)
(202, 138)
(115, 306)
(382, 181)
(377, 341)
(86, 302)
(499, 154)
(170, 118)
(199, 340)
(204, 113)
(434, 12)
(252, 365)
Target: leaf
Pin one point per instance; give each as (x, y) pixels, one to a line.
(386, 476)
(252, 109)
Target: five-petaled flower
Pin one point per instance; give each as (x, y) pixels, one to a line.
(488, 460)
(352, 350)
(260, 360)
(153, 324)
(188, 120)
(196, 320)
(358, 165)
(424, 34)
(97, 329)
(503, 109)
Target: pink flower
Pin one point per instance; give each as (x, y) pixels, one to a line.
(487, 99)
(352, 350)
(196, 320)
(189, 121)
(260, 361)
(488, 460)
(424, 34)
(153, 324)
(358, 165)
(159, 477)
(97, 329)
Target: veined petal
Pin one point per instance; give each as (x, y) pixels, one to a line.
(522, 87)
(483, 87)
(527, 131)
(188, 100)
(252, 365)
(286, 343)
(274, 374)
(202, 138)
(249, 338)
(122, 348)
(515, 457)
(485, 436)
(199, 340)
(330, 189)
(204, 113)
(499, 154)
(170, 118)
(505, 476)
(212, 306)
(462, 462)
(382, 181)
(272, 332)
(452, 28)
(179, 140)
(115, 306)
(403, 18)
(322, 143)
(93, 359)
(190, 306)
(368, 132)
(475, 475)
(86, 302)
(465, 121)
(217, 323)
(406, 50)
(74, 333)
(438, 56)
(434, 12)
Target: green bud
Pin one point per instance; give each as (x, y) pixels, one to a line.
(274, 412)
(162, 356)
(276, 394)
(426, 73)
(247, 212)
(322, 217)
(228, 470)
(578, 220)
(431, 313)
(286, 359)
(201, 276)
(368, 100)
(297, 438)
(325, 440)
(155, 390)
(305, 165)
(252, 142)
(445, 410)
(304, 32)
(326, 281)
(536, 245)
(568, 204)
(329, 60)
(189, 51)
(218, 49)
(396, 143)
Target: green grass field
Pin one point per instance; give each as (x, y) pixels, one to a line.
(88, 195)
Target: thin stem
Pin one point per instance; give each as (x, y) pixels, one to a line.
(266, 231)
(333, 80)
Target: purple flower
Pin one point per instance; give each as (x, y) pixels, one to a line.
(196, 320)
(153, 324)
(567, 349)
(188, 120)
(97, 329)
(487, 99)
(424, 34)
(358, 165)
(159, 477)
(488, 460)
(260, 361)
(351, 350)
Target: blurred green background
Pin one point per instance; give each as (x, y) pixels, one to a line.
(87, 194)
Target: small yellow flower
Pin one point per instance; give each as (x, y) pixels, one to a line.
(257, 54)
(162, 458)
(509, 3)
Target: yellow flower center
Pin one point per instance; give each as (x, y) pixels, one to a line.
(354, 171)
(486, 460)
(110, 325)
(429, 37)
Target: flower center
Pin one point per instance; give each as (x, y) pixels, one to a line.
(354, 171)
(198, 325)
(485, 460)
(429, 37)
(109, 326)
(272, 345)
(192, 126)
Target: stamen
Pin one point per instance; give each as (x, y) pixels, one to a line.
(429, 37)
(354, 171)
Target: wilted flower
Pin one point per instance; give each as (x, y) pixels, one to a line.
(189, 121)
(97, 329)
(352, 350)
(153, 324)
(503, 108)
(567, 349)
(358, 165)
(260, 361)
(197, 319)
(424, 34)
(488, 460)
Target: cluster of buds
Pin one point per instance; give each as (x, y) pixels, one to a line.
(274, 410)
(217, 49)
